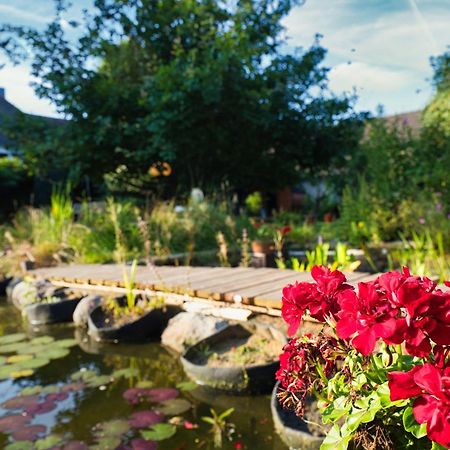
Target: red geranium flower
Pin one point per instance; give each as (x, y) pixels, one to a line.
(364, 317)
(432, 386)
(319, 298)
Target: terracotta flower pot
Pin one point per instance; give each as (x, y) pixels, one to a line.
(265, 247)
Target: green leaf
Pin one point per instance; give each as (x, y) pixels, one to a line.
(226, 413)
(159, 432)
(128, 372)
(187, 385)
(12, 338)
(174, 407)
(20, 445)
(334, 440)
(409, 422)
(42, 340)
(48, 442)
(436, 446)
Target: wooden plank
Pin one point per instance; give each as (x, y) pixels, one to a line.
(227, 291)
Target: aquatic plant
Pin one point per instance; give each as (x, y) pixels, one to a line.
(219, 424)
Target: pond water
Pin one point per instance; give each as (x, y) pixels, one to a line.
(78, 396)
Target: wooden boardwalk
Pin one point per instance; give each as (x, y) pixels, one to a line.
(258, 287)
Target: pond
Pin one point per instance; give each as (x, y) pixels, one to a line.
(82, 398)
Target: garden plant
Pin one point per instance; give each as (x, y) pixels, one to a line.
(380, 367)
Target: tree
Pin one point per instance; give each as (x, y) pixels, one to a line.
(201, 84)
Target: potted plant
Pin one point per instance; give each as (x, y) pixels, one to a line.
(131, 317)
(263, 239)
(380, 369)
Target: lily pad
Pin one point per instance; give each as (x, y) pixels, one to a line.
(161, 394)
(115, 427)
(51, 389)
(35, 363)
(125, 373)
(41, 408)
(57, 397)
(22, 373)
(20, 402)
(29, 433)
(142, 444)
(73, 387)
(12, 338)
(98, 380)
(13, 422)
(19, 358)
(7, 370)
(20, 445)
(30, 390)
(57, 353)
(174, 407)
(106, 443)
(159, 432)
(187, 385)
(48, 442)
(14, 347)
(83, 374)
(67, 343)
(2, 360)
(42, 340)
(144, 419)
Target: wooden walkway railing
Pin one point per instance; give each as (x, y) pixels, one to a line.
(259, 287)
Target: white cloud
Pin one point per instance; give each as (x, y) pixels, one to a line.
(16, 81)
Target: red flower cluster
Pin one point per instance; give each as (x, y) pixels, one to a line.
(299, 370)
(395, 307)
(431, 386)
(319, 298)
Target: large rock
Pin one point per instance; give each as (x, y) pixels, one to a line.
(84, 308)
(188, 328)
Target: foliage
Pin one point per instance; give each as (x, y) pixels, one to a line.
(185, 99)
(424, 254)
(319, 256)
(253, 202)
(219, 425)
(380, 366)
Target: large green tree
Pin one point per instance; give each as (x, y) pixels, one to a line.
(202, 84)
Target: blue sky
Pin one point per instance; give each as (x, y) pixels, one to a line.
(381, 48)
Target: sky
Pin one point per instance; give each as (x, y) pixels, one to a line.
(379, 48)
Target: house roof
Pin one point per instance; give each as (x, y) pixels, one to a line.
(8, 110)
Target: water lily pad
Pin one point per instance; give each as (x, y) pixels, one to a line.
(144, 419)
(22, 373)
(67, 343)
(41, 408)
(31, 390)
(159, 432)
(20, 445)
(57, 397)
(83, 374)
(106, 443)
(73, 387)
(50, 389)
(142, 444)
(187, 385)
(35, 363)
(2, 360)
(20, 402)
(29, 433)
(98, 380)
(174, 407)
(13, 422)
(35, 349)
(14, 347)
(115, 427)
(161, 394)
(19, 358)
(48, 442)
(12, 338)
(125, 373)
(57, 353)
(42, 340)
(7, 370)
